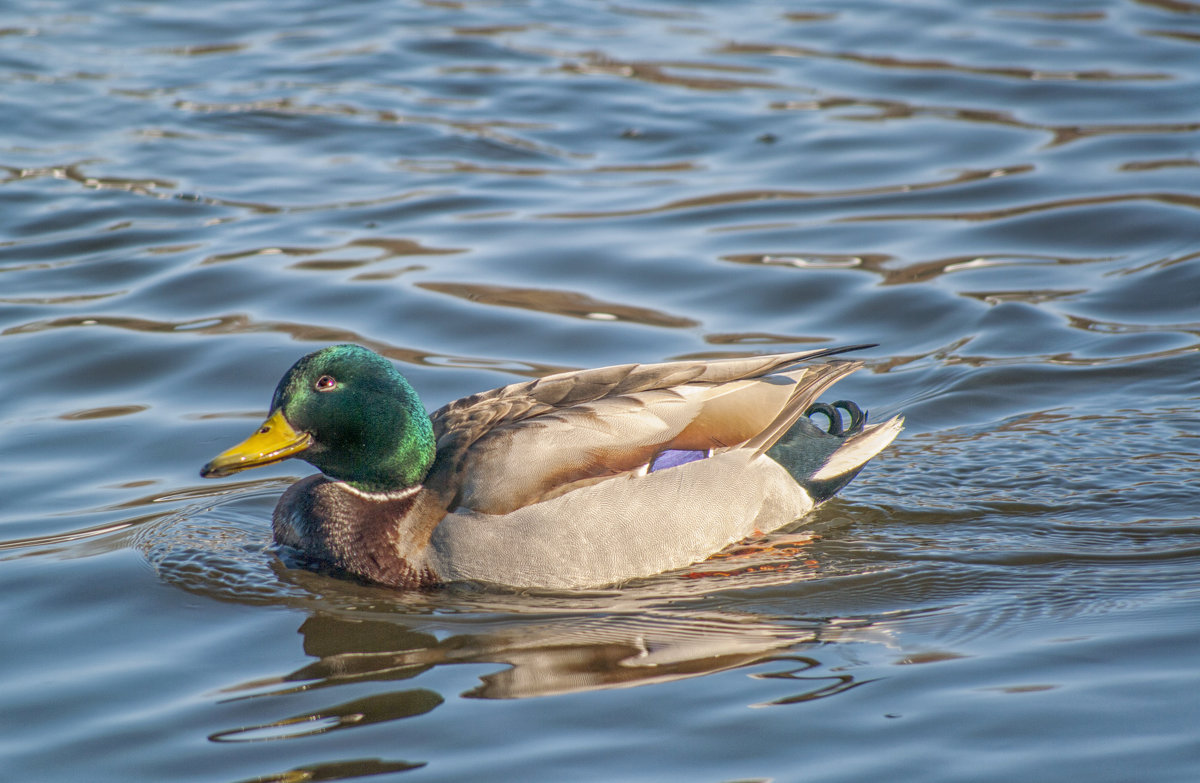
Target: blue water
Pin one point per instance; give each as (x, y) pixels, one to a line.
(1004, 197)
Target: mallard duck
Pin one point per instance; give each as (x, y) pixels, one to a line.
(575, 480)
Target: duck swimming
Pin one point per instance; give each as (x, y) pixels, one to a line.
(575, 480)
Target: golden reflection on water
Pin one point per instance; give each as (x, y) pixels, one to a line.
(742, 197)
(568, 303)
(1174, 6)
(303, 333)
(1172, 199)
(885, 61)
(471, 167)
(381, 248)
(891, 109)
(893, 272)
(661, 73)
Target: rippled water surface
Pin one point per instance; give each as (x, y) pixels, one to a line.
(1004, 196)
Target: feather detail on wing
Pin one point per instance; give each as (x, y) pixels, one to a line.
(504, 449)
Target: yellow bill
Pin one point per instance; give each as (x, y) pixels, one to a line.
(274, 441)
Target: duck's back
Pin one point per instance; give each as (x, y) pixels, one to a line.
(518, 445)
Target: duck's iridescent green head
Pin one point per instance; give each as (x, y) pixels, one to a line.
(347, 411)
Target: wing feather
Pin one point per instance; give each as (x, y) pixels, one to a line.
(503, 449)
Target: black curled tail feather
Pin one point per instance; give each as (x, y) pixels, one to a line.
(858, 417)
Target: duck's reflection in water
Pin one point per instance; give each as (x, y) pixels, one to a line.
(545, 657)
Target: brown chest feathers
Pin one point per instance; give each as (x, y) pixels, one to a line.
(380, 538)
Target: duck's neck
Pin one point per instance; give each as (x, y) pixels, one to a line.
(391, 455)
(377, 536)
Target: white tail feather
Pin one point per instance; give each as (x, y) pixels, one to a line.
(860, 448)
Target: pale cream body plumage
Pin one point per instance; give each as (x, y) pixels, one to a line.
(638, 523)
(619, 529)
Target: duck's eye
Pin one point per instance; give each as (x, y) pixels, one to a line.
(326, 383)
